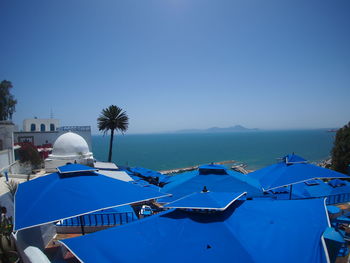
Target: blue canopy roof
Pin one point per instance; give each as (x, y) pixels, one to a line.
(332, 234)
(206, 200)
(318, 189)
(344, 218)
(286, 173)
(292, 159)
(249, 231)
(54, 197)
(187, 183)
(332, 209)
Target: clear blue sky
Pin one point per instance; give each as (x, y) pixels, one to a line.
(176, 64)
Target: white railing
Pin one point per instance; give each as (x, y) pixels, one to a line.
(74, 128)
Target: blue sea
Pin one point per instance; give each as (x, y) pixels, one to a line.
(254, 148)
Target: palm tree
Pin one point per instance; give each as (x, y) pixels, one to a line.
(112, 118)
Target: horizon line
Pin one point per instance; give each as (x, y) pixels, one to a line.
(204, 131)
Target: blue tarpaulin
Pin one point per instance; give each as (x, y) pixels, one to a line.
(290, 172)
(304, 190)
(55, 197)
(145, 172)
(339, 194)
(187, 183)
(248, 231)
(149, 177)
(206, 200)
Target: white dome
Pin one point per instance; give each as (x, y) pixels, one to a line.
(70, 145)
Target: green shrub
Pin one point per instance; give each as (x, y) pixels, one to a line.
(28, 153)
(341, 150)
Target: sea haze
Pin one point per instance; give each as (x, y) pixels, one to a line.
(257, 149)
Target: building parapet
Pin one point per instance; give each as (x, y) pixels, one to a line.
(75, 128)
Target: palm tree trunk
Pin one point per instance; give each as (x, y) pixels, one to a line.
(110, 146)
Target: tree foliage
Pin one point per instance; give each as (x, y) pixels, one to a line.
(112, 119)
(28, 153)
(341, 150)
(7, 101)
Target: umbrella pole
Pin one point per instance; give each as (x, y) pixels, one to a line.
(290, 192)
(82, 223)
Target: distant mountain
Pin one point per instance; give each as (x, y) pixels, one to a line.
(236, 128)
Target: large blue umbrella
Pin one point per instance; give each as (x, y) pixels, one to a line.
(292, 169)
(73, 191)
(249, 231)
(318, 188)
(215, 177)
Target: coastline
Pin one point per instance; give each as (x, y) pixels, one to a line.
(242, 168)
(191, 168)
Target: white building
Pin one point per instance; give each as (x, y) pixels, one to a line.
(40, 125)
(6, 144)
(41, 132)
(69, 148)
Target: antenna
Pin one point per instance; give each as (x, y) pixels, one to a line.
(51, 114)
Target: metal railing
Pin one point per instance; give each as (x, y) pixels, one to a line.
(338, 198)
(331, 199)
(100, 219)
